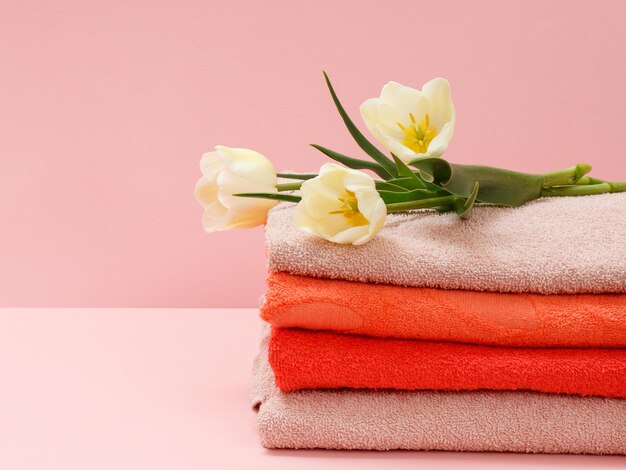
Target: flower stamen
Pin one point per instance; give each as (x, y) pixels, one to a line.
(419, 134)
(350, 209)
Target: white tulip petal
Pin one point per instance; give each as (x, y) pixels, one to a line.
(403, 153)
(332, 226)
(318, 186)
(375, 111)
(331, 175)
(205, 191)
(399, 105)
(368, 202)
(369, 114)
(230, 183)
(407, 100)
(349, 235)
(358, 177)
(377, 217)
(249, 164)
(438, 93)
(228, 178)
(303, 220)
(390, 132)
(336, 204)
(321, 195)
(392, 139)
(213, 216)
(248, 216)
(211, 164)
(320, 205)
(313, 192)
(326, 227)
(229, 171)
(241, 205)
(360, 183)
(440, 143)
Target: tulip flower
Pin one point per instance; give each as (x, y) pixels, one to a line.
(410, 123)
(345, 205)
(341, 205)
(229, 171)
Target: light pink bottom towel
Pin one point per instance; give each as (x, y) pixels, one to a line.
(425, 420)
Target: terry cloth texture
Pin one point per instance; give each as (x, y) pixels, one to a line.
(503, 319)
(565, 245)
(303, 359)
(452, 421)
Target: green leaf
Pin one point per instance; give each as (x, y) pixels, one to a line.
(433, 169)
(359, 138)
(391, 197)
(463, 206)
(403, 170)
(438, 203)
(411, 183)
(297, 176)
(390, 186)
(354, 163)
(496, 185)
(273, 196)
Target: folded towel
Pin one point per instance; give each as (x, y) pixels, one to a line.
(504, 319)
(551, 246)
(303, 359)
(454, 421)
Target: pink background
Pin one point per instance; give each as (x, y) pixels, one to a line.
(106, 108)
(167, 389)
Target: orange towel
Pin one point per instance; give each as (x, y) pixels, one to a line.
(502, 319)
(313, 360)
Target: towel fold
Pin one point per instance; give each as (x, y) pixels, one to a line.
(453, 421)
(303, 359)
(564, 245)
(503, 319)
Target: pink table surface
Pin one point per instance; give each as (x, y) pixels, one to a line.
(163, 389)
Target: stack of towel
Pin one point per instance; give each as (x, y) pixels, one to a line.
(505, 332)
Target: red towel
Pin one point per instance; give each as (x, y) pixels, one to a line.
(464, 316)
(313, 360)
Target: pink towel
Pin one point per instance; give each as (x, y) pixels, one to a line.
(564, 245)
(455, 421)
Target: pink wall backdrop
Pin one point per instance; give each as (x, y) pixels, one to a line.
(106, 107)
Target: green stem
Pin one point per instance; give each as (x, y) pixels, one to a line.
(288, 186)
(297, 176)
(585, 189)
(421, 204)
(566, 176)
(589, 180)
(271, 196)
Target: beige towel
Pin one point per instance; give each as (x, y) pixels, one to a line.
(456, 421)
(552, 245)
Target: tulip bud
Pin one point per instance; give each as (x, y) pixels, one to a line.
(229, 171)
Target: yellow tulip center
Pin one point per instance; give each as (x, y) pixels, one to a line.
(350, 209)
(419, 134)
